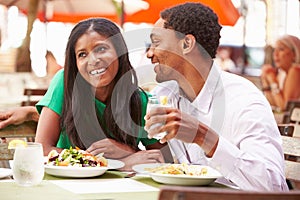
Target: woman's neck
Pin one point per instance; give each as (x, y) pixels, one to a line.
(103, 93)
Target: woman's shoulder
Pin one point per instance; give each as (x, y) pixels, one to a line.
(59, 75)
(295, 67)
(54, 95)
(144, 96)
(294, 71)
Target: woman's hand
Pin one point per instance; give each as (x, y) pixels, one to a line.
(142, 157)
(268, 75)
(111, 149)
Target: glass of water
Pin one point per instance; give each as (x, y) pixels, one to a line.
(154, 102)
(28, 165)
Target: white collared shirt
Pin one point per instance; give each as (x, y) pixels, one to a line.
(249, 152)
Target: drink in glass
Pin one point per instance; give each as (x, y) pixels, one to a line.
(153, 102)
(28, 165)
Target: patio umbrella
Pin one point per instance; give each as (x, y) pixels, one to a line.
(77, 10)
(227, 13)
(136, 11)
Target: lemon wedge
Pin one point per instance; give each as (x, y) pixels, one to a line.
(14, 143)
(163, 100)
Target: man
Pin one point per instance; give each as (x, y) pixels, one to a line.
(218, 119)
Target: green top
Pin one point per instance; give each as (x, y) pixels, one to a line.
(54, 98)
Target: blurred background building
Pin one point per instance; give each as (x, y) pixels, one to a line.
(260, 23)
(249, 26)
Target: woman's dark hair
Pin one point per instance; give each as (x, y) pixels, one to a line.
(197, 20)
(122, 116)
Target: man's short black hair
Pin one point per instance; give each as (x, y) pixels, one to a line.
(196, 19)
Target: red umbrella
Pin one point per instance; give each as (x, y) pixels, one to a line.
(77, 10)
(227, 13)
(135, 10)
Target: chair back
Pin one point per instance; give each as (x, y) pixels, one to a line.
(291, 149)
(209, 193)
(295, 116)
(33, 96)
(288, 111)
(25, 131)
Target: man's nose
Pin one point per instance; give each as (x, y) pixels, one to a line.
(150, 52)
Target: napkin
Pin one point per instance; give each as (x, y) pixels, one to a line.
(88, 186)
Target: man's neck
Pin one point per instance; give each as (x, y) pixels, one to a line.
(194, 81)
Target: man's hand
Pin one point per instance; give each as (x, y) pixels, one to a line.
(111, 149)
(181, 126)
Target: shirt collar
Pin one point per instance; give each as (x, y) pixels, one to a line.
(204, 99)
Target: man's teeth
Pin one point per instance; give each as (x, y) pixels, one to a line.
(98, 71)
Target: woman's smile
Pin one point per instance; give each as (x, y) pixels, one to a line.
(98, 71)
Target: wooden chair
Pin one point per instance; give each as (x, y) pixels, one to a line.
(295, 117)
(29, 92)
(288, 111)
(209, 193)
(292, 128)
(291, 149)
(24, 130)
(286, 129)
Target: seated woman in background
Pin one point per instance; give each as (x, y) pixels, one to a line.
(281, 82)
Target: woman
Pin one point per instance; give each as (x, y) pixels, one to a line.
(281, 83)
(94, 103)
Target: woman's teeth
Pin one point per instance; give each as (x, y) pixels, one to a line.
(97, 71)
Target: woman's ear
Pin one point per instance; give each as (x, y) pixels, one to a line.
(189, 42)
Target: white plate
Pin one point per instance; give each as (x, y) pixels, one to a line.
(82, 172)
(140, 168)
(4, 172)
(115, 164)
(75, 172)
(171, 179)
(183, 179)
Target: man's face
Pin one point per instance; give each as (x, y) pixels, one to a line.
(165, 52)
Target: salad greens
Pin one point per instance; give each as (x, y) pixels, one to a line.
(75, 157)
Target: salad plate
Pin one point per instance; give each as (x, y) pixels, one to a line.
(4, 172)
(82, 172)
(75, 172)
(179, 174)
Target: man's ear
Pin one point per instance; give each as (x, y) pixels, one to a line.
(189, 42)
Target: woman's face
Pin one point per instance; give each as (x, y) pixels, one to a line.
(283, 56)
(96, 59)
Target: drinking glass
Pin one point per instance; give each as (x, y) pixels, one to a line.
(153, 102)
(28, 165)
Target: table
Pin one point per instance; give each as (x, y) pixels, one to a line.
(49, 188)
(25, 130)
